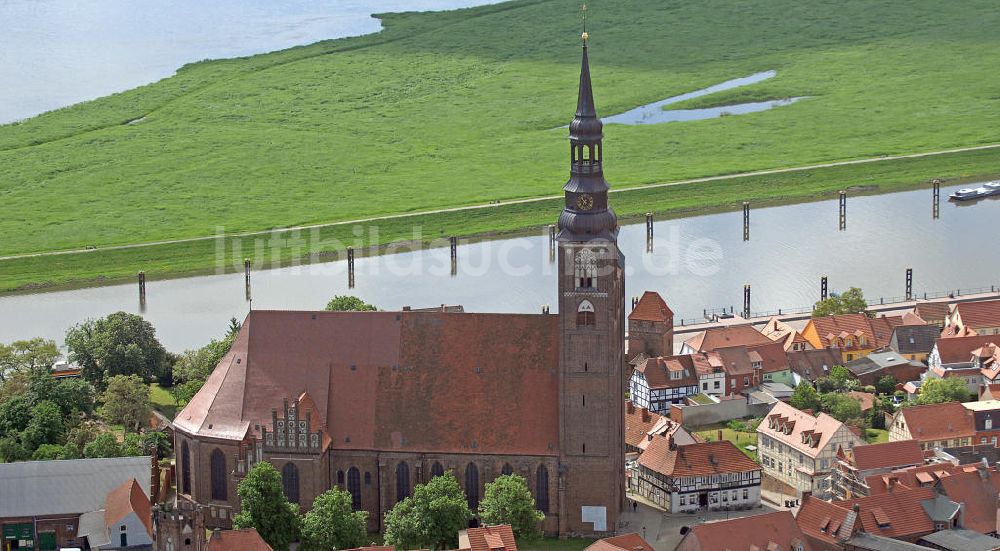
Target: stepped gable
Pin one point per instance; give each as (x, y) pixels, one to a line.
(406, 381)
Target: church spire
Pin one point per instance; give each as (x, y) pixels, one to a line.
(587, 215)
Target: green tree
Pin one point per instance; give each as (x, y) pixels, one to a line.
(156, 443)
(28, 355)
(509, 501)
(876, 416)
(11, 450)
(71, 395)
(45, 427)
(805, 397)
(265, 507)
(348, 303)
(193, 367)
(119, 344)
(842, 407)
(103, 445)
(15, 413)
(132, 446)
(431, 517)
(937, 391)
(126, 402)
(851, 301)
(333, 524)
(48, 452)
(842, 378)
(886, 384)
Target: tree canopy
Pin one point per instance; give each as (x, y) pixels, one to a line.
(842, 407)
(119, 344)
(265, 507)
(886, 384)
(431, 517)
(509, 501)
(193, 367)
(126, 402)
(851, 301)
(805, 397)
(333, 524)
(937, 391)
(27, 355)
(348, 303)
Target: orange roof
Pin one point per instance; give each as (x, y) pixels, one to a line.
(980, 314)
(898, 514)
(638, 422)
(626, 542)
(932, 311)
(818, 431)
(700, 459)
(651, 307)
(939, 421)
(888, 455)
(489, 538)
(246, 539)
(777, 530)
(877, 332)
(657, 371)
(726, 336)
(378, 380)
(125, 499)
(978, 490)
(953, 350)
(865, 399)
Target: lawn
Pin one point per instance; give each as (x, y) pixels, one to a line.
(459, 108)
(555, 544)
(741, 439)
(162, 400)
(877, 436)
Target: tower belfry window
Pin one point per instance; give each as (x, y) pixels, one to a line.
(586, 269)
(585, 315)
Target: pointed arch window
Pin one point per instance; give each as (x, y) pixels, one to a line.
(220, 490)
(340, 477)
(354, 487)
(290, 482)
(542, 489)
(472, 485)
(436, 469)
(185, 468)
(507, 469)
(585, 316)
(585, 269)
(402, 481)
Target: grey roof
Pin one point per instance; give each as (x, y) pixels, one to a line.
(878, 360)
(962, 540)
(68, 487)
(871, 542)
(940, 509)
(93, 528)
(914, 339)
(813, 364)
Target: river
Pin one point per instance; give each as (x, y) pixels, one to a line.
(55, 53)
(696, 263)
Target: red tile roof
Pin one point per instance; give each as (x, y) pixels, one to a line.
(876, 331)
(953, 350)
(898, 514)
(978, 491)
(402, 381)
(932, 311)
(701, 459)
(888, 455)
(777, 530)
(726, 336)
(979, 314)
(939, 421)
(638, 422)
(489, 538)
(125, 499)
(818, 430)
(651, 307)
(657, 371)
(626, 542)
(246, 539)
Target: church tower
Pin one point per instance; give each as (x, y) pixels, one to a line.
(592, 317)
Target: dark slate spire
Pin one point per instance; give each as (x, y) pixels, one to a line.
(587, 215)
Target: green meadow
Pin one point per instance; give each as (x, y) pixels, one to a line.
(461, 108)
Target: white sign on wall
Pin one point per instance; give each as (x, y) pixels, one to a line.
(596, 515)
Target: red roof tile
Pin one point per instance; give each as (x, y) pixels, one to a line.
(658, 371)
(726, 336)
(777, 530)
(888, 455)
(626, 542)
(246, 539)
(953, 350)
(651, 307)
(876, 331)
(638, 422)
(978, 491)
(979, 314)
(701, 459)
(932, 311)
(125, 499)
(389, 381)
(939, 421)
(489, 538)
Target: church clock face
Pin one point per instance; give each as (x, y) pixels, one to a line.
(585, 202)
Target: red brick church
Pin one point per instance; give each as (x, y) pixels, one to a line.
(377, 402)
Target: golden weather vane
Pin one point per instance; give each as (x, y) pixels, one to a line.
(585, 35)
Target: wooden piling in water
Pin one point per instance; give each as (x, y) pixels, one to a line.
(843, 210)
(142, 285)
(746, 301)
(746, 220)
(350, 267)
(936, 209)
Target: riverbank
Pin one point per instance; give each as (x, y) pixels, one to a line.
(102, 267)
(462, 108)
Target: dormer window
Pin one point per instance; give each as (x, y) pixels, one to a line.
(848, 342)
(861, 342)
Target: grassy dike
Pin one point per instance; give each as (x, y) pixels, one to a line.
(175, 260)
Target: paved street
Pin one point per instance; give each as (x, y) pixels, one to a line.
(662, 530)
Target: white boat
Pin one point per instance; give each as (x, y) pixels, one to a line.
(968, 194)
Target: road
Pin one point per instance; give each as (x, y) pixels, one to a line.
(501, 203)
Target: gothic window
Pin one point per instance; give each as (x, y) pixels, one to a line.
(436, 469)
(290, 482)
(542, 489)
(340, 477)
(354, 487)
(472, 485)
(585, 315)
(585, 268)
(402, 481)
(219, 486)
(185, 468)
(507, 469)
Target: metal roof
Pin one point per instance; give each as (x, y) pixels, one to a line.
(962, 540)
(68, 487)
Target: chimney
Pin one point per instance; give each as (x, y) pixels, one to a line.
(154, 482)
(720, 435)
(890, 483)
(646, 417)
(670, 442)
(630, 407)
